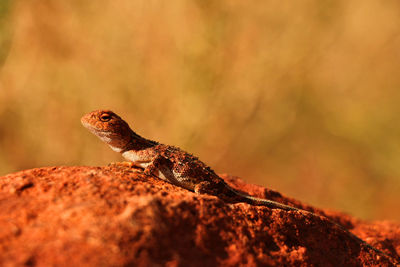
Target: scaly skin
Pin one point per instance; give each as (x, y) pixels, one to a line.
(174, 165)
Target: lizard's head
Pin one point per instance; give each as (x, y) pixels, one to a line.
(109, 127)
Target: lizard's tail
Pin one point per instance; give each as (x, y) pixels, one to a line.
(263, 202)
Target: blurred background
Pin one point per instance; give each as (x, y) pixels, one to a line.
(302, 97)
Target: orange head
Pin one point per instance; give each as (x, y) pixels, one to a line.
(109, 127)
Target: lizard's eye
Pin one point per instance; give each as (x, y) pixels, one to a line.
(105, 117)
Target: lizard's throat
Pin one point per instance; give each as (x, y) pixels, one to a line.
(116, 142)
(121, 143)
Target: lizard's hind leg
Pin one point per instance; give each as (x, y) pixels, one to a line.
(203, 188)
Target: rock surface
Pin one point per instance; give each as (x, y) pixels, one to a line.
(114, 216)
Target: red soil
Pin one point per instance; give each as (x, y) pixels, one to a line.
(113, 216)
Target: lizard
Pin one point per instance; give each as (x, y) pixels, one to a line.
(166, 162)
(176, 166)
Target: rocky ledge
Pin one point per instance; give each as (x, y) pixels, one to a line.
(114, 216)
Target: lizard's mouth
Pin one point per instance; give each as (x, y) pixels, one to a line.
(88, 126)
(95, 130)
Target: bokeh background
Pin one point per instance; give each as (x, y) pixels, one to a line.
(299, 96)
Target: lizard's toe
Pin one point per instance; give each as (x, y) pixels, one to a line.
(126, 164)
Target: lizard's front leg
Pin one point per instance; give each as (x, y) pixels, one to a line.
(161, 167)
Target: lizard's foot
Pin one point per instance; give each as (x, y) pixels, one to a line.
(148, 171)
(124, 164)
(203, 188)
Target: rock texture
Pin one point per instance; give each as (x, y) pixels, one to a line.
(114, 216)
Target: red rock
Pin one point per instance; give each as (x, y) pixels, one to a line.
(112, 216)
